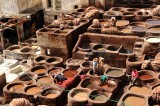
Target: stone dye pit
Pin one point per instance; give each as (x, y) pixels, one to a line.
(132, 101)
(17, 87)
(80, 96)
(140, 90)
(70, 73)
(32, 90)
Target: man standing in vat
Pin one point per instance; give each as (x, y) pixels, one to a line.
(135, 76)
(95, 65)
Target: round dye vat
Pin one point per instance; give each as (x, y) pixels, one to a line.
(153, 40)
(16, 87)
(141, 90)
(134, 101)
(84, 47)
(52, 60)
(115, 73)
(138, 29)
(81, 96)
(103, 23)
(145, 77)
(91, 86)
(52, 95)
(153, 30)
(121, 23)
(26, 50)
(75, 61)
(33, 90)
(99, 47)
(100, 97)
(153, 22)
(44, 80)
(26, 77)
(40, 59)
(70, 73)
(53, 72)
(39, 71)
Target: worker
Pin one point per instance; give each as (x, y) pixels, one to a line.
(59, 78)
(20, 102)
(95, 65)
(104, 79)
(67, 83)
(135, 76)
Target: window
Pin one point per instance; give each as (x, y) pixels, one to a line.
(49, 3)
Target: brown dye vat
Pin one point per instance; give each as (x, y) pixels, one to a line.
(32, 90)
(140, 90)
(69, 73)
(39, 71)
(115, 73)
(134, 101)
(146, 77)
(17, 87)
(126, 30)
(54, 71)
(153, 30)
(50, 93)
(90, 83)
(110, 86)
(91, 86)
(44, 80)
(103, 23)
(81, 96)
(78, 97)
(122, 23)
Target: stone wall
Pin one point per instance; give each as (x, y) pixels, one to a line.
(17, 6)
(69, 4)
